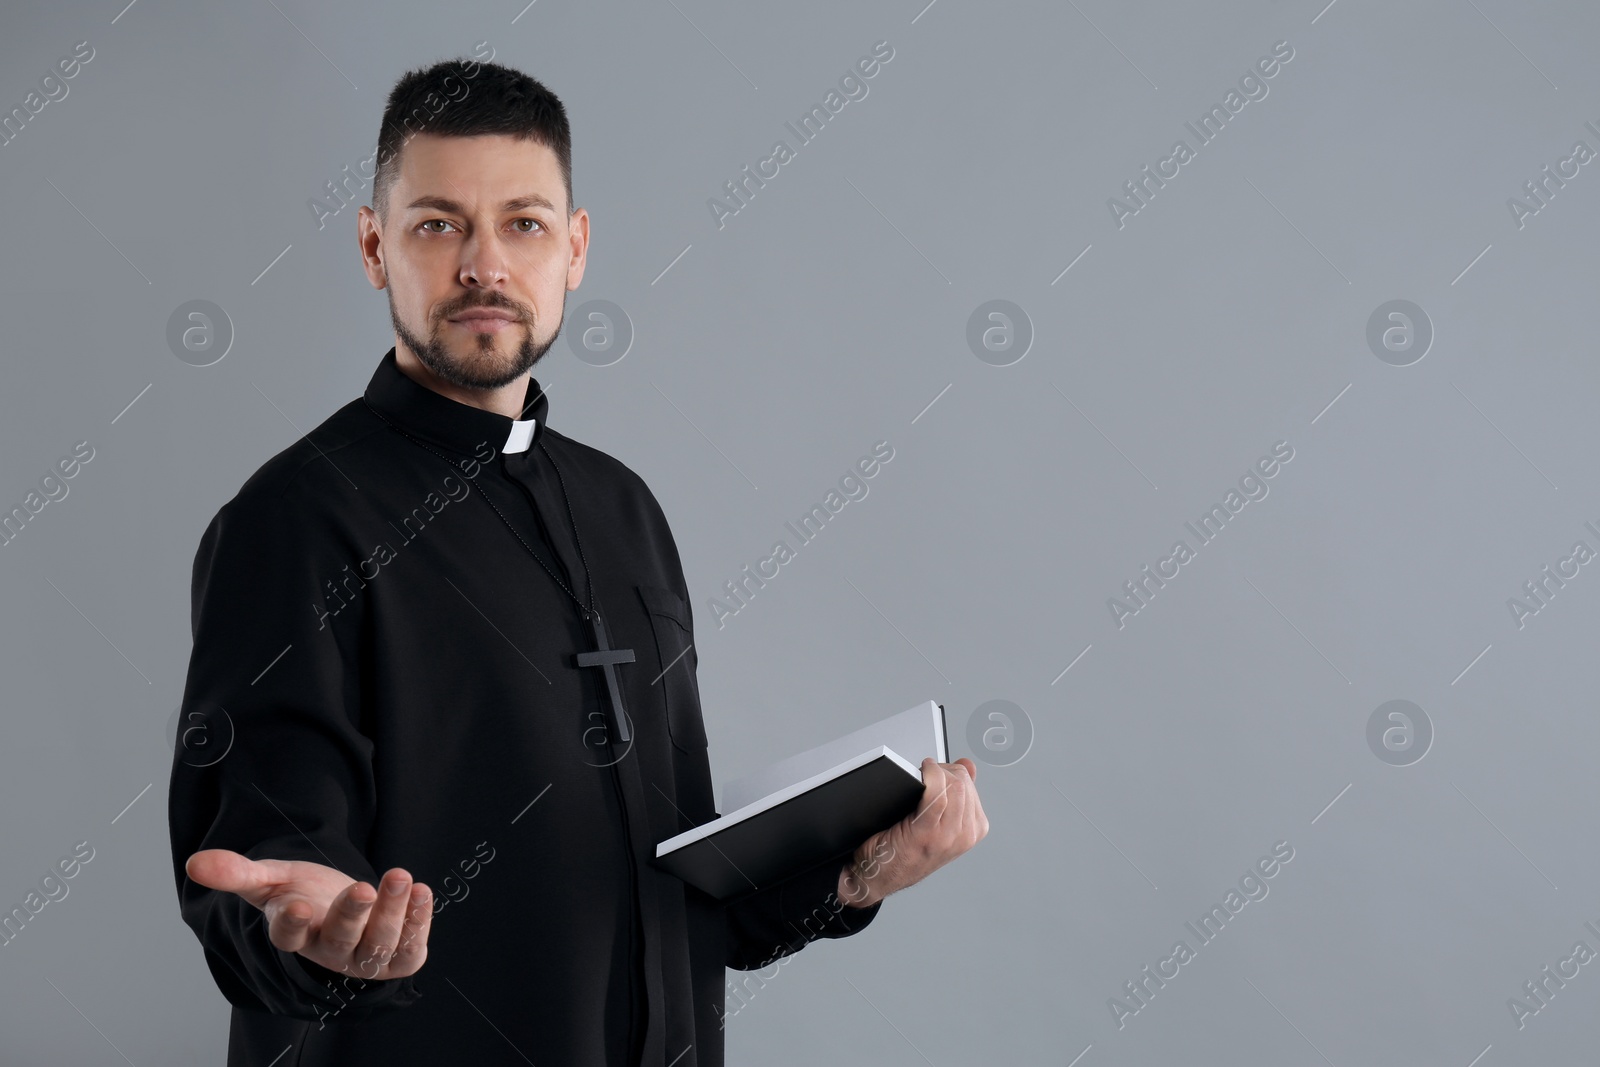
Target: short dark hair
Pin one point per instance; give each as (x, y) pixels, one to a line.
(465, 98)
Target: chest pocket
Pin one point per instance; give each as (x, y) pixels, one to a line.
(675, 687)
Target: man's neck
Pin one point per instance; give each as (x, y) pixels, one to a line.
(506, 400)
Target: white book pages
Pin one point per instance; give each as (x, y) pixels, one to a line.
(913, 734)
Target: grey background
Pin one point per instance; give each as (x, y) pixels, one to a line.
(827, 315)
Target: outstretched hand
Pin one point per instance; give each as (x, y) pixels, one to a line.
(325, 915)
(949, 821)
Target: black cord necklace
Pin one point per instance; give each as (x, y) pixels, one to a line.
(604, 656)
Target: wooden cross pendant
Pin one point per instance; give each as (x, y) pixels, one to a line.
(607, 658)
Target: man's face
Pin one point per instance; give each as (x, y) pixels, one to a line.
(477, 253)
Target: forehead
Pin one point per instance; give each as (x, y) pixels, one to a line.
(477, 171)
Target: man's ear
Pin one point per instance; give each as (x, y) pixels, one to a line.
(368, 243)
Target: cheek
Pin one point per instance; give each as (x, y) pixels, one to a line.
(424, 269)
(421, 295)
(546, 298)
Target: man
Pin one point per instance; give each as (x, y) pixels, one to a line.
(436, 638)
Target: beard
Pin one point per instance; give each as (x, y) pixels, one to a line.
(486, 366)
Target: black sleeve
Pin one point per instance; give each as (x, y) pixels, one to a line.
(768, 924)
(269, 761)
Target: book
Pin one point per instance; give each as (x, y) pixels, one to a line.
(793, 814)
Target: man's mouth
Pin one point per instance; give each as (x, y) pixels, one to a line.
(485, 320)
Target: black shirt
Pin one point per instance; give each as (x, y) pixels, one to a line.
(383, 676)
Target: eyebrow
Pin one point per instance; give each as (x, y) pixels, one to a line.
(520, 203)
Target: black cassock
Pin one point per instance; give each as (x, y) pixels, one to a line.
(384, 676)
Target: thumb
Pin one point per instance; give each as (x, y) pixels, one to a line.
(220, 868)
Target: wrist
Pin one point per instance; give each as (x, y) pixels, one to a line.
(853, 889)
(859, 878)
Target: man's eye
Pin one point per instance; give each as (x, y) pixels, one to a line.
(442, 222)
(531, 222)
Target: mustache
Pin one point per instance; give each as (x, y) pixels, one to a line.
(486, 302)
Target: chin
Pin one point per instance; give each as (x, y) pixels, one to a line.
(483, 370)
(485, 361)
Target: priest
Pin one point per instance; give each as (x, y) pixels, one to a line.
(441, 703)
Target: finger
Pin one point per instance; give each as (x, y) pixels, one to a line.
(413, 946)
(220, 868)
(345, 923)
(234, 872)
(935, 782)
(963, 772)
(975, 825)
(979, 818)
(382, 933)
(944, 801)
(956, 786)
(956, 823)
(961, 802)
(289, 922)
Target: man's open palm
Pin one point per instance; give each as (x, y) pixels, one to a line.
(327, 916)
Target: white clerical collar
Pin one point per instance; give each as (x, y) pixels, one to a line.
(521, 435)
